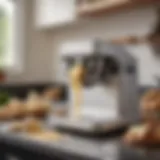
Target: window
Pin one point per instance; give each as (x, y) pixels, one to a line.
(6, 33)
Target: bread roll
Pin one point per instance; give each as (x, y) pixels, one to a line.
(37, 106)
(17, 108)
(14, 109)
(150, 105)
(27, 126)
(5, 113)
(143, 135)
(53, 93)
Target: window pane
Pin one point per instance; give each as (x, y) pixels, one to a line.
(6, 32)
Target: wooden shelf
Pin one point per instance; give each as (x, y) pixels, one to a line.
(136, 40)
(107, 6)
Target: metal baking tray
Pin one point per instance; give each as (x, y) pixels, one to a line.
(88, 128)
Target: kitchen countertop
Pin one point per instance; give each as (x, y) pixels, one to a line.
(73, 148)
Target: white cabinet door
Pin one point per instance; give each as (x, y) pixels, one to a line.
(40, 12)
(50, 13)
(64, 11)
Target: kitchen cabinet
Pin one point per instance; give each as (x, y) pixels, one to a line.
(52, 13)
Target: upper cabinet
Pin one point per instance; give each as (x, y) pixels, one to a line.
(53, 13)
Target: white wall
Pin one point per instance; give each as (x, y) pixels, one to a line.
(138, 22)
